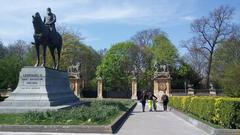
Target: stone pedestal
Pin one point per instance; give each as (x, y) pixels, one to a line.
(190, 90)
(40, 89)
(212, 90)
(134, 88)
(99, 88)
(75, 78)
(162, 84)
(75, 85)
(213, 93)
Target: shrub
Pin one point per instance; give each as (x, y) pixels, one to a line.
(227, 112)
(223, 111)
(202, 107)
(185, 102)
(175, 102)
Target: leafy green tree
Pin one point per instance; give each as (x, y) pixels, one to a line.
(70, 50)
(152, 45)
(166, 53)
(3, 50)
(117, 66)
(9, 69)
(226, 54)
(30, 56)
(74, 51)
(184, 73)
(163, 50)
(230, 80)
(226, 64)
(144, 67)
(12, 61)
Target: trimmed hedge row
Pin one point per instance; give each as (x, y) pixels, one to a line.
(222, 111)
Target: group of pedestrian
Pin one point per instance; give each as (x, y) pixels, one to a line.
(151, 99)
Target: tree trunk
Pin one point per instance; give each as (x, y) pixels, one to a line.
(209, 69)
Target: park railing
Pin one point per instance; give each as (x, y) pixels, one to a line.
(197, 92)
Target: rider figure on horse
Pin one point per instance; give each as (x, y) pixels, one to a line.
(49, 21)
(45, 35)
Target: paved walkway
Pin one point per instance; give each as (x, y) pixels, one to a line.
(157, 123)
(144, 123)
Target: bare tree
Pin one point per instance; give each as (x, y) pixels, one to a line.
(145, 37)
(196, 58)
(18, 48)
(210, 31)
(102, 52)
(64, 29)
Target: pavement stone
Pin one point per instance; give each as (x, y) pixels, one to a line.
(157, 123)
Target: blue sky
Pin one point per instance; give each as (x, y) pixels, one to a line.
(105, 22)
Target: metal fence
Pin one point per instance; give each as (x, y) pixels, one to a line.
(197, 92)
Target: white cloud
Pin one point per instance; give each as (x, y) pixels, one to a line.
(15, 15)
(187, 18)
(103, 14)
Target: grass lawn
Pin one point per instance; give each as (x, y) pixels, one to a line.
(94, 112)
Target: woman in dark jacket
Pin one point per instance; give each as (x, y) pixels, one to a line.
(143, 100)
(165, 101)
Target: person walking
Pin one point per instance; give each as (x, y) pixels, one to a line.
(150, 100)
(155, 103)
(165, 101)
(143, 100)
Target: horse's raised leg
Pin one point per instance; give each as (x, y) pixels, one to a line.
(37, 55)
(53, 56)
(44, 56)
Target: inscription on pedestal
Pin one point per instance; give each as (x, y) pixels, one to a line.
(31, 80)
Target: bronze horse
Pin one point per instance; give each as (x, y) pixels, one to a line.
(44, 37)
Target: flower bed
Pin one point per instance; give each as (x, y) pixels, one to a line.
(97, 112)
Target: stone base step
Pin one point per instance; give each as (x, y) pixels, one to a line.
(5, 109)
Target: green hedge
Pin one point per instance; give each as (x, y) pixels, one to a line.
(222, 111)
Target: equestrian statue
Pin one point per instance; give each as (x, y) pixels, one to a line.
(45, 35)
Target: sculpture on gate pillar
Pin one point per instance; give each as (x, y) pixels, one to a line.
(75, 78)
(162, 80)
